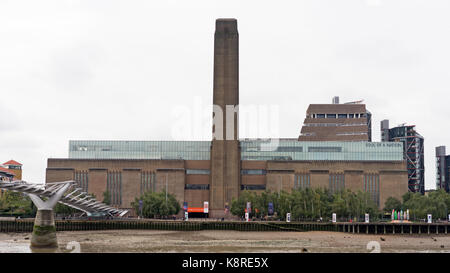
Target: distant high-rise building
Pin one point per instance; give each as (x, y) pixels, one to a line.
(442, 169)
(335, 100)
(413, 144)
(337, 122)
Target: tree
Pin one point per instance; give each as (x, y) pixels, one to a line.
(154, 204)
(107, 198)
(239, 205)
(393, 204)
(64, 209)
(16, 203)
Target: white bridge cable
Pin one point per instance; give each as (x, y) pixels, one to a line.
(73, 197)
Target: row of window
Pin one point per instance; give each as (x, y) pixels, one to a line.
(333, 124)
(358, 115)
(266, 157)
(317, 149)
(277, 149)
(352, 134)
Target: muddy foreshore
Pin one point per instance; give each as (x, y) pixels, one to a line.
(230, 241)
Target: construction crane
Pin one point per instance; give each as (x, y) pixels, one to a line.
(354, 102)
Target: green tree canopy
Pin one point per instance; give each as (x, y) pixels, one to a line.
(16, 203)
(154, 205)
(107, 198)
(306, 203)
(392, 204)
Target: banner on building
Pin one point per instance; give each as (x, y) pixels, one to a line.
(270, 210)
(205, 207)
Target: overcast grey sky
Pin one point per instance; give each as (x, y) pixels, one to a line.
(110, 70)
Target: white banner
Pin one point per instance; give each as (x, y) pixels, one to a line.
(288, 217)
(334, 217)
(205, 207)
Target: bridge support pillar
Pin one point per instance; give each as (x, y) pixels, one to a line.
(44, 230)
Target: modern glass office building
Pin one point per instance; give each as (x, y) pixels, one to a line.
(251, 149)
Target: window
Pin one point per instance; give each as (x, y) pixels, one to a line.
(302, 181)
(342, 116)
(290, 149)
(81, 177)
(372, 186)
(148, 182)
(320, 115)
(351, 115)
(325, 149)
(336, 182)
(253, 187)
(114, 186)
(195, 171)
(331, 115)
(253, 172)
(196, 187)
